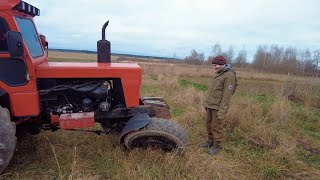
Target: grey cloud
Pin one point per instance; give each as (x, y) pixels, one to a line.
(172, 27)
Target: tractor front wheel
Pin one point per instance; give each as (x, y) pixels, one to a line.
(8, 138)
(159, 134)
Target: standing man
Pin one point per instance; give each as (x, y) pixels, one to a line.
(221, 87)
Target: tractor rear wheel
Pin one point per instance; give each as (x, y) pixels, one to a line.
(159, 134)
(8, 138)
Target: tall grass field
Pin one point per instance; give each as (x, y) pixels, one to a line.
(272, 132)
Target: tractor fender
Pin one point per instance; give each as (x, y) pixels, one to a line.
(135, 123)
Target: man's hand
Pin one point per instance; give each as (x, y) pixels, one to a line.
(221, 116)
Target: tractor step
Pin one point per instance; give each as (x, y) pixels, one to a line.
(159, 105)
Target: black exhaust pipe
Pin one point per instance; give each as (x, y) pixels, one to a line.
(103, 47)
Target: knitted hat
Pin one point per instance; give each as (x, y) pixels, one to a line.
(219, 60)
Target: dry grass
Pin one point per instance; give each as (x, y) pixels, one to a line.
(74, 57)
(70, 55)
(280, 111)
(272, 132)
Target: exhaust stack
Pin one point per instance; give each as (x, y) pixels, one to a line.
(103, 47)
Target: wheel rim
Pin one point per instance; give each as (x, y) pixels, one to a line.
(153, 143)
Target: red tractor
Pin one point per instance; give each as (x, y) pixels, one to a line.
(39, 95)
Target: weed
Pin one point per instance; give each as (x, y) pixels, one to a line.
(310, 158)
(271, 171)
(198, 86)
(176, 111)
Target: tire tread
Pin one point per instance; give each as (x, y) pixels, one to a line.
(164, 127)
(8, 138)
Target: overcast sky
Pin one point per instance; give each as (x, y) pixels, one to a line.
(175, 27)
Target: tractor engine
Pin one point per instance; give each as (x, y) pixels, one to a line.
(62, 96)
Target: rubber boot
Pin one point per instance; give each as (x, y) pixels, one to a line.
(206, 144)
(214, 149)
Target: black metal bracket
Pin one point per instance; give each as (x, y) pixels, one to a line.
(98, 132)
(124, 113)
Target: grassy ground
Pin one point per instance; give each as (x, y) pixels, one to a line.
(272, 132)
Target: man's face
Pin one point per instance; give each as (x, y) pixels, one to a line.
(217, 67)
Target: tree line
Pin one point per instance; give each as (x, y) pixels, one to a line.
(273, 58)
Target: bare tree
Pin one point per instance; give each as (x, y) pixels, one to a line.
(229, 54)
(304, 58)
(195, 58)
(316, 58)
(290, 60)
(261, 58)
(215, 51)
(276, 53)
(241, 58)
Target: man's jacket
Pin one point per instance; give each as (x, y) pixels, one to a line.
(221, 87)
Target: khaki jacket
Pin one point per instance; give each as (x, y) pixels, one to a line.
(221, 87)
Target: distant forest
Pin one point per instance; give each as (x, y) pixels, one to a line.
(273, 58)
(115, 54)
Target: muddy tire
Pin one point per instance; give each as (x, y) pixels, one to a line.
(8, 138)
(159, 134)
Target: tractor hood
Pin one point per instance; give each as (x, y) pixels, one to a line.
(88, 70)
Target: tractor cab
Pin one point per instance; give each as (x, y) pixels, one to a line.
(16, 25)
(21, 50)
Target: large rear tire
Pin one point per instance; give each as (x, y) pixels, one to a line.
(160, 134)
(8, 138)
